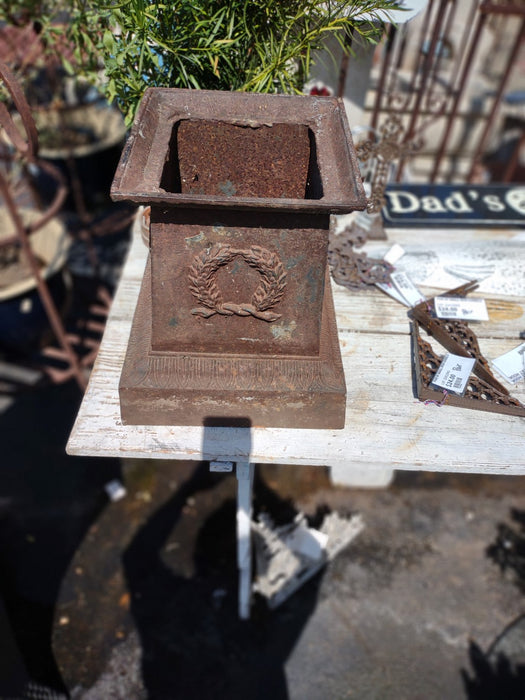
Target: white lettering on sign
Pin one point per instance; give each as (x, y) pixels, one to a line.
(461, 308)
(515, 198)
(453, 373)
(456, 202)
(432, 205)
(493, 202)
(402, 202)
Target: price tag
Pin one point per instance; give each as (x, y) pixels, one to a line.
(453, 373)
(511, 365)
(389, 289)
(394, 254)
(461, 308)
(406, 288)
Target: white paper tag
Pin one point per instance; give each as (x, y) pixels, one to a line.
(389, 289)
(461, 308)
(394, 254)
(453, 373)
(406, 288)
(511, 365)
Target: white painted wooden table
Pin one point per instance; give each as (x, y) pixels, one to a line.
(386, 427)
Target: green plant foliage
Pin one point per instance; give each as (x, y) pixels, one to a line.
(248, 45)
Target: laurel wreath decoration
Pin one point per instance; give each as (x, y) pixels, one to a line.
(204, 287)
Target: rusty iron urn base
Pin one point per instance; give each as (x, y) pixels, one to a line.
(235, 322)
(165, 388)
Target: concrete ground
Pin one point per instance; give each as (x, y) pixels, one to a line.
(138, 598)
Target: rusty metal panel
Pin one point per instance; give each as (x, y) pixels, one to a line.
(164, 388)
(219, 158)
(333, 186)
(249, 283)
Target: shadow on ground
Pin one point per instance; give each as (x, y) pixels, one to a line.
(499, 672)
(193, 643)
(48, 501)
(137, 599)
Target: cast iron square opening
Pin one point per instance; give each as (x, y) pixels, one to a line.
(214, 157)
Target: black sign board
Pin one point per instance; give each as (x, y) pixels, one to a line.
(455, 205)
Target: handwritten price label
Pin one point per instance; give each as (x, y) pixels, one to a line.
(406, 288)
(453, 373)
(461, 308)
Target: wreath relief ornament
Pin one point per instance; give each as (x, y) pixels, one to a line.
(204, 287)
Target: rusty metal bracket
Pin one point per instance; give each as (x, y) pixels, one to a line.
(351, 269)
(479, 394)
(484, 392)
(456, 336)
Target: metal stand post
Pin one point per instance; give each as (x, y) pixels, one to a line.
(245, 471)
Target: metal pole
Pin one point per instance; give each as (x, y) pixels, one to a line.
(245, 472)
(459, 92)
(497, 100)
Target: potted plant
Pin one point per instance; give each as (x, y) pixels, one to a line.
(242, 45)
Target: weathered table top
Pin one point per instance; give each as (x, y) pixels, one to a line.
(386, 426)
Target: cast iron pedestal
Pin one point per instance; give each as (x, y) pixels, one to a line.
(235, 322)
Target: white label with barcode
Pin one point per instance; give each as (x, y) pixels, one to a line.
(406, 288)
(511, 365)
(461, 308)
(453, 373)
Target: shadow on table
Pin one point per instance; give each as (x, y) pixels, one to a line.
(193, 643)
(48, 500)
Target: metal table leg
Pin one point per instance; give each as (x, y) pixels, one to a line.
(245, 471)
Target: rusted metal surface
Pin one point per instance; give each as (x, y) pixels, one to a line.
(237, 311)
(456, 336)
(333, 184)
(434, 97)
(378, 154)
(480, 149)
(192, 388)
(242, 283)
(215, 157)
(484, 392)
(26, 151)
(350, 268)
(27, 146)
(480, 394)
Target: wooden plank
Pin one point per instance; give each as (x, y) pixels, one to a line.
(376, 312)
(386, 426)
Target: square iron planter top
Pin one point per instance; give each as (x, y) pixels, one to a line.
(140, 177)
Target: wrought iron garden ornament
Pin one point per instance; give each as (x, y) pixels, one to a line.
(484, 392)
(351, 269)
